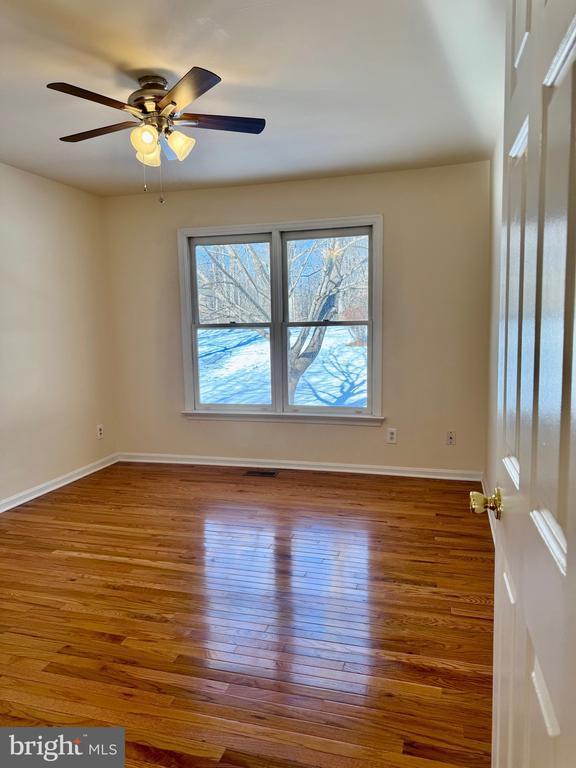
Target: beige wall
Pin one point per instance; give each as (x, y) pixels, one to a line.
(90, 322)
(436, 317)
(54, 338)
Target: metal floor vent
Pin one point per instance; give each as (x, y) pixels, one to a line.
(262, 473)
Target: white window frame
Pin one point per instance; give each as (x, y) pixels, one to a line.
(279, 409)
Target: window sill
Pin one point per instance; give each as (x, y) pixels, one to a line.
(308, 418)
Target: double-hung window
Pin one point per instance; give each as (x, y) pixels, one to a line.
(283, 320)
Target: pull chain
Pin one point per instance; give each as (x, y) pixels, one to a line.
(161, 198)
(145, 185)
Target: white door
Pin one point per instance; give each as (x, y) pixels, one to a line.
(535, 590)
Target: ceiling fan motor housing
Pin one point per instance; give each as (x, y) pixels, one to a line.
(152, 88)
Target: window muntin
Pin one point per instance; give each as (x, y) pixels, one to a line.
(282, 321)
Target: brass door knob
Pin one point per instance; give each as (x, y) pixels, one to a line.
(480, 503)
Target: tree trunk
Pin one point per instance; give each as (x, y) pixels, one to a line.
(299, 359)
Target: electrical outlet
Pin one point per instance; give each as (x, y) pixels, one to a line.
(100, 431)
(450, 438)
(392, 435)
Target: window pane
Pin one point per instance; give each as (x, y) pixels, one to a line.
(233, 282)
(328, 278)
(234, 366)
(328, 366)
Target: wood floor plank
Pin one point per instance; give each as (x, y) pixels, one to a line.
(311, 620)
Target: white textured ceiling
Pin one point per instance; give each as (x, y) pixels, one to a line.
(345, 85)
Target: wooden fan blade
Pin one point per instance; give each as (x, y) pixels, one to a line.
(99, 131)
(193, 84)
(82, 93)
(223, 122)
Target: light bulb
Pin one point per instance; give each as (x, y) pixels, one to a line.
(144, 139)
(181, 144)
(150, 158)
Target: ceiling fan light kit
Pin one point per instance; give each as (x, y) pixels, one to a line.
(159, 112)
(152, 159)
(180, 144)
(144, 139)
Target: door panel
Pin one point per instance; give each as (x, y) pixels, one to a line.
(516, 224)
(521, 20)
(540, 747)
(557, 158)
(535, 594)
(508, 607)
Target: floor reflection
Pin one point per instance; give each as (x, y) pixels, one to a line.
(240, 588)
(330, 602)
(291, 598)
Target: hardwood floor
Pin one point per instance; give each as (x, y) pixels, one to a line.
(308, 619)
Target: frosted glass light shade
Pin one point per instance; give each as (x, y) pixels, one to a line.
(151, 158)
(144, 139)
(181, 144)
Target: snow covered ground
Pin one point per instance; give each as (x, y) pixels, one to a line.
(235, 369)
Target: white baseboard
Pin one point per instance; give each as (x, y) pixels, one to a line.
(57, 482)
(226, 461)
(363, 469)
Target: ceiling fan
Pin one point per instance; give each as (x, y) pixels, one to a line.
(158, 112)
